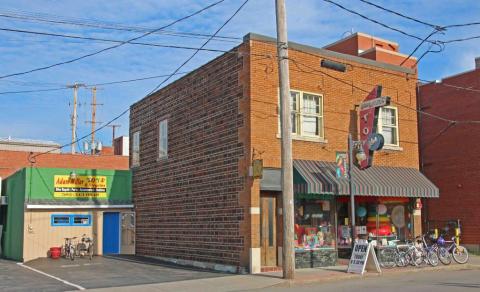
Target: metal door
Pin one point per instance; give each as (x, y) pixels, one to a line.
(111, 232)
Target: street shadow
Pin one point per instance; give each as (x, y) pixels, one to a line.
(462, 285)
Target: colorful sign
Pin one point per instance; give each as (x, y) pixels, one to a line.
(80, 186)
(371, 140)
(341, 165)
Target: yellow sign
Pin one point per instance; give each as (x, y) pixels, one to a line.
(80, 186)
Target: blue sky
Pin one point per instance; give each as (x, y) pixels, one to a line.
(46, 115)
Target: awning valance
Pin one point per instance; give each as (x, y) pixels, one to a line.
(319, 177)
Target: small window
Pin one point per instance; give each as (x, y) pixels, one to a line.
(163, 139)
(60, 220)
(71, 220)
(81, 220)
(307, 114)
(388, 125)
(136, 149)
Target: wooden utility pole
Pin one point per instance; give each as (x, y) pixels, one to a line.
(113, 132)
(74, 115)
(94, 116)
(286, 126)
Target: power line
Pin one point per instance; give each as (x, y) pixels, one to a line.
(401, 15)
(47, 18)
(201, 47)
(373, 20)
(115, 46)
(34, 90)
(169, 76)
(106, 40)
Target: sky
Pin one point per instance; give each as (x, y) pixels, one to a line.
(46, 115)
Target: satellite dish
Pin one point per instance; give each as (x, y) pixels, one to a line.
(398, 216)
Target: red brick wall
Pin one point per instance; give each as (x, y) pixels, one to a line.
(188, 206)
(12, 161)
(451, 159)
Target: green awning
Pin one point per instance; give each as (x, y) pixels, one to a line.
(319, 177)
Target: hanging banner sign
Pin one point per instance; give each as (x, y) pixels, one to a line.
(363, 258)
(371, 140)
(342, 165)
(80, 186)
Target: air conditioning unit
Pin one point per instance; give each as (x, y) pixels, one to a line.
(3, 200)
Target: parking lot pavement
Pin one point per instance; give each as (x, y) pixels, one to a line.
(16, 278)
(116, 271)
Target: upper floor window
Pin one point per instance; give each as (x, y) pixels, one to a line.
(307, 114)
(136, 149)
(388, 125)
(163, 139)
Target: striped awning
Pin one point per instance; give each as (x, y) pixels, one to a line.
(319, 177)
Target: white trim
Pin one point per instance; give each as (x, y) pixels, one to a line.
(51, 276)
(32, 206)
(363, 35)
(254, 210)
(386, 51)
(255, 260)
(396, 127)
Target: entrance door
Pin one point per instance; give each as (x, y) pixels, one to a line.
(268, 230)
(111, 232)
(128, 233)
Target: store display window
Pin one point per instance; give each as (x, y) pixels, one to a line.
(314, 224)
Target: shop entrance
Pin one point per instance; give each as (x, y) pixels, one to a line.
(268, 229)
(111, 232)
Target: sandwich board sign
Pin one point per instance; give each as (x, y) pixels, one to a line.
(363, 258)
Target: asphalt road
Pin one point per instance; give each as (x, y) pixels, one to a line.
(432, 281)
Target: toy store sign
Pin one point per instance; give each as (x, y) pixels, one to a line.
(80, 186)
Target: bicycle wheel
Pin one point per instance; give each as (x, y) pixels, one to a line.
(460, 254)
(386, 258)
(432, 258)
(444, 256)
(401, 259)
(72, 253)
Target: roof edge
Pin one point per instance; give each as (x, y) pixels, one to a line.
(333, 54)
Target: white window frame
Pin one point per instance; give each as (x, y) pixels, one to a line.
(396, 126)
(299, 131)
(163, 136)
(136, 148)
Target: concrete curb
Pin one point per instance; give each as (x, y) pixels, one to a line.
(346, 276)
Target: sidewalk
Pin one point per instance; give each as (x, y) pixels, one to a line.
(266, 280)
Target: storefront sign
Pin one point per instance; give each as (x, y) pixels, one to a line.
(371, 140)
(341, 165)
(363, 258)
(80, 186)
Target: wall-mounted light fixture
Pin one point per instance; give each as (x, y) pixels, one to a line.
(337, 66)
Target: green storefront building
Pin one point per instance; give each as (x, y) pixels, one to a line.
(45, 205)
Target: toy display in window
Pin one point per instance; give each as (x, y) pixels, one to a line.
(384, 226)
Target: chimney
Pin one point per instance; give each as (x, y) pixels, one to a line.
(477, 63)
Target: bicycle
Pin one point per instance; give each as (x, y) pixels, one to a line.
(85, 247)
(429, 253)
(69, 248)
(458, 252)
(392, 256)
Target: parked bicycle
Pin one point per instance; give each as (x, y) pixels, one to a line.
(85, 247)
(448, 249)
(69, 248)
(429, 253)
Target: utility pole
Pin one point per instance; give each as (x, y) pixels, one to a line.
(286, 125)
(74, 114)
(113, 132)
(94, 116)
(350, 189)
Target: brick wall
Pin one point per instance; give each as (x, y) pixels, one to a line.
(188, 206)
(450, 159)
(12, 161)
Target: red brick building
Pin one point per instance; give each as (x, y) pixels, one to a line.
(450, 151)
(12, 161)
(193, 144)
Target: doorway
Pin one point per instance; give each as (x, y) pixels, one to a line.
(268, 230)
(111, 233)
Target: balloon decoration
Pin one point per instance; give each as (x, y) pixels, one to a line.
(361, 211)
(382, 209)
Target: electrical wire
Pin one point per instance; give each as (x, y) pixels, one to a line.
(47, 18)
(373, 20)
(435, 31)
(113, 47)
(201, 47)
(169, 76)
(106, 40)
(401, 15)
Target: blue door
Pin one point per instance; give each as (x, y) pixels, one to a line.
(111, 232)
